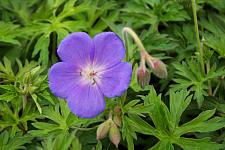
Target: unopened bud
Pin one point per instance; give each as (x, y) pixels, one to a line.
(103, 129)
(143, 77)
(117, 115)
(117, 110)
(117, 119)
(158, 67)
(114, 134)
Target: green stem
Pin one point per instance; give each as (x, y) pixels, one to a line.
(28, 46)
(154, 27)
(199, 48)
(209, 82)
(84, 129)
(216, 89)
(125, 38)
(135, 38)
(24, 101)
(123, 99)
(144, 54)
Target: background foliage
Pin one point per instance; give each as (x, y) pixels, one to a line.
(184, 111)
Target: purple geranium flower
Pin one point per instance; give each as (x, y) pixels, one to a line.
(90, 69)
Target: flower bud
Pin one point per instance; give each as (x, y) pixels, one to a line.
(114, 134)
(103, 129)
(117, 120)
(117, 115)
(158, 67)
(117, 110)
(143, 77)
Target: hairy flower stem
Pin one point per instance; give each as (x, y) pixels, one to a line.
(199, 47)
(135, 37)
(137, 40)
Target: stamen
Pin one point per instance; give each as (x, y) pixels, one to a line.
(90, 75)
(93, 73)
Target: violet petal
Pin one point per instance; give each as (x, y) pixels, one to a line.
(115, 81)
(76, 48)
(86, 101)
(109, 49)
(63, 78)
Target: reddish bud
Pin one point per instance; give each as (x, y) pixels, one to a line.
(114, 134)
(158, 67)
(143, 77)
(117, 110)
(103, 129)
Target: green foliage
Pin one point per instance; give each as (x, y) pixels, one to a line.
(188, 113)
(188, 77)
(61, 119)
(215, 34)
(13, 143)
(167, 126)
(63, 141)
(9, 33)
(154, 12)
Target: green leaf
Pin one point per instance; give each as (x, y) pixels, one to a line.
(6, 72)
(42, 46)
(128, 133)
(140, 125)
(35, 98)
(63, 141)
(167, 128)
(9, 33)
(198, 144)
(13, 143)
(153, 12)
(179, 101)
(202, 123)
(60, 119)
(159, 110)
(215, 34)
(163, 145)
(99, 146)
(12, 118)
(187, 77)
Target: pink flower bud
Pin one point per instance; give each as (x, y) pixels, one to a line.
(114, 134)
(103, 129)
(143, 77)
(158, 67)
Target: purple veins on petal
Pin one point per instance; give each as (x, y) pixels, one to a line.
(63, 79)
(76, 48)
(109, 49)
(87, 101)
(115, 80)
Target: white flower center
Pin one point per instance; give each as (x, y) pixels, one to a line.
(90, 74)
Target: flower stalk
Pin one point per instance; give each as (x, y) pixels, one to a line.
(157, 66)
(199, 47)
